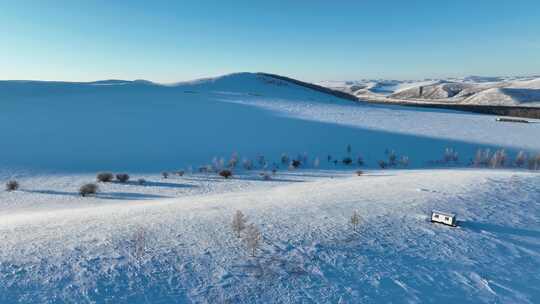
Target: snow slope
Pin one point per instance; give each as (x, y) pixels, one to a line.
(309, 253)
(144, 127)
(169, 240)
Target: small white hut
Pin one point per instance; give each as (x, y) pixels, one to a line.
(444, 218)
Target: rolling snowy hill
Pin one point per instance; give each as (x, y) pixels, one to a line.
(169, 240)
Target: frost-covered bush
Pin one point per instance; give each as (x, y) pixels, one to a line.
(247, 164)
(534, 162)
(521, 159)
(165, 174)
(88, 189)
(233, 161)
(403, 161)
(252, 238)
(392, 159)
(347, 160)
(238, 223)
(12, 185)
(105, 177)
(122, 177)
(261, 160)
(498, 159)
(225, 173)
(316, 162)
(450, 155)
(284, 158)
(482, 158)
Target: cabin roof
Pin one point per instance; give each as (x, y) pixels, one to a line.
(444, 213)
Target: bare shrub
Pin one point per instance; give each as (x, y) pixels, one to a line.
(225, 173)
(252, 238)
(295, 163)
(238, 223)
(265, 176)
(354, 220)
(122, 177)
(105, 177)
(347, 161)
(88, 189)
(165, 174)
(12, 185)
(521, 159)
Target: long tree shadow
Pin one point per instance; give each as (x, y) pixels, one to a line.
(51, 192)
(158, 184)
(103, 195)
(129, 196)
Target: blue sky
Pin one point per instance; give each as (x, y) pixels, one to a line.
(169, 41)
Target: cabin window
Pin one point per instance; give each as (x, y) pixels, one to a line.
(436, 216)
(446, 218)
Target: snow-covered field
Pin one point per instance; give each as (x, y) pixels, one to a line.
(170, 240)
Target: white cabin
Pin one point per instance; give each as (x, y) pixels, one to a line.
(443, 218)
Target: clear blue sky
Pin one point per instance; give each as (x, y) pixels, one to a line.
(169, 41)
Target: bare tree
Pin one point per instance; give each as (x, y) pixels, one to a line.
(139, 240)
(239, 222)
(355, 220)
(521, 158)
(252, 238)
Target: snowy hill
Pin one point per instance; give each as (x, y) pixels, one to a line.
(168, 239)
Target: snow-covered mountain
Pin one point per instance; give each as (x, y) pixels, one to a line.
(504, 91)
(161, 238)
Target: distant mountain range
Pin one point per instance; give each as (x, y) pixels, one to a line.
(474, 90)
